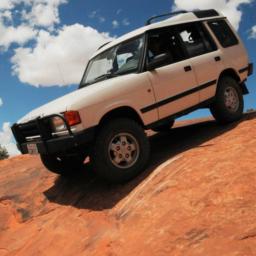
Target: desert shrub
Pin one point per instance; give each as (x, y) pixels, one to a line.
(250, 110)
(3, 153)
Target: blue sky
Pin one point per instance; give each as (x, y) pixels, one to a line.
(30, 74)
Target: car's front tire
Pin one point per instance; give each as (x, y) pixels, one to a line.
(229, 103)
(63, 165)
(121, 150)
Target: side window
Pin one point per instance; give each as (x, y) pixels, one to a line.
(195, 39)
(223, 32)
(165, 42)
(128, 56)
(123, 58)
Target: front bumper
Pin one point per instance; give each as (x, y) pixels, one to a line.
(46, 143)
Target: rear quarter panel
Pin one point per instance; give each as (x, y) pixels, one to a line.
(234, 57)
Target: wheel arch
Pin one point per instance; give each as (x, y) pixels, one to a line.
(121, 112)
(231, 73)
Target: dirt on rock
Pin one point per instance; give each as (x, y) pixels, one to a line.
(197, 197)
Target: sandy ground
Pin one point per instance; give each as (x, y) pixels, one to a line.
(198, 197)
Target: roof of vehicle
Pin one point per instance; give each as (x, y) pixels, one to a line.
(175, 20)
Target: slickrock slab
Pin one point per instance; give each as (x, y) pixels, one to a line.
(198, 197)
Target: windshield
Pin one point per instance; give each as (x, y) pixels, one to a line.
(119, 60)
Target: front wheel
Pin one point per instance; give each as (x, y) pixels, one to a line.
(229, 103)
(121, 150)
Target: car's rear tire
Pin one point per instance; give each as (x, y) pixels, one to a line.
(121, 150)
(228, 105)
(164, 127)
(63, 165)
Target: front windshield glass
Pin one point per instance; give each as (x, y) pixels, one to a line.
(119, 60)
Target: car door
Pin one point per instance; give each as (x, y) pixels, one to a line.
(173, 79)
(205, 58)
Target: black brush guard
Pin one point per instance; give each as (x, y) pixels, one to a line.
(45, 141)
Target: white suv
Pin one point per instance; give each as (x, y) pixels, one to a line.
(142, 80)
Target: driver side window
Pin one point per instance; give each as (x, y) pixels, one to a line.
(164, 42)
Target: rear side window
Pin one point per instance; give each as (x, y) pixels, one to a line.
(195, 39)
(223, 33)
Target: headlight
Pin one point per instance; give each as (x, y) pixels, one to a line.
(71, 117)
(58, 124)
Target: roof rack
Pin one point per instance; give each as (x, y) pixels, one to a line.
(206, 13)
(149, 21)
(104, 45)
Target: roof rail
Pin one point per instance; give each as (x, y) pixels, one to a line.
(104, 45)
(149, 21)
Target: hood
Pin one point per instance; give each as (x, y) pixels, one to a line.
(54, 107)
(74, 100)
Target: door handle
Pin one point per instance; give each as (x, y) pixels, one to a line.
(217, 58)
(187, 68)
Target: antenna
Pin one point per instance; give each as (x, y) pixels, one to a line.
(61, 74)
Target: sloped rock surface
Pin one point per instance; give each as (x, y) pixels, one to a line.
(198, 197)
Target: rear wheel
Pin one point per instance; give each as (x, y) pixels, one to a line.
(164, 127)
(63, 165)
(121, 150)
(229, 104)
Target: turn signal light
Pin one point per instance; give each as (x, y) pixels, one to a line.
(72, 117)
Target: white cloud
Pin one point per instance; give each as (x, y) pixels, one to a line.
(126, 22)
(102, 19)
(6, 4)
(253, 32)
(93, 14)
(96, 15)
(34, 14)
(115, 24)
(19, 35)
(7, 141)
(55, 56)
(1, 102)
(43, 13)
(57, 59)
(230, 8)
(118, 11)
(7, 15)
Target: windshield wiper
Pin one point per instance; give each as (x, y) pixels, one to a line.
(105, 76)
(99, 78)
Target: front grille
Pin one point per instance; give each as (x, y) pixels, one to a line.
(29, 129)
(39, 128)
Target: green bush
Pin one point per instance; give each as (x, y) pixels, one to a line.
(3, 153)
(250, 110)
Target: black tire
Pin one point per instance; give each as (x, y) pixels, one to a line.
(104, 158)
(164, 127)
(63, 165)
(227, 109)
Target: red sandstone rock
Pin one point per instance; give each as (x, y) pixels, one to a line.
(196, 198)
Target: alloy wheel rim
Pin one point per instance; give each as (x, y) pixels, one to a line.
(231, 99)
(123, 150)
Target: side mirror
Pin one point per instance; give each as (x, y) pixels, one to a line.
(157, 61)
